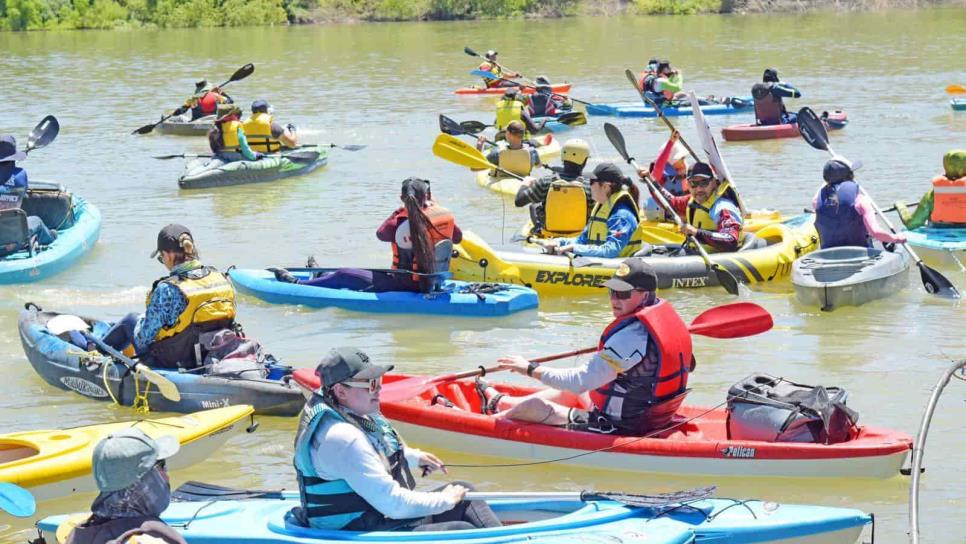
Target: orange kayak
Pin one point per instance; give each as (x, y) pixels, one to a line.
(562, 88)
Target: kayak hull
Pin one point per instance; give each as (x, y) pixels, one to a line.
(451, 300)
(57, 463)
(637, 109)
(509, 186)
(208, 174)
(659, 232)
(561, 88)
(68, 367)
(71, 244)
(939, 246)
(740, 133)
(177, 126)
(958, 104)
(848, 276)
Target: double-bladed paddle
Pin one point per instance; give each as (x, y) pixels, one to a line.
(456, 151)
(293, 155)
(813, 131)
(46, 130)
(469, 51)
(489, 75)
(451, 127)
(725, 278)
(16, 500)
(571, 118)
(239, 75)
(648, 102)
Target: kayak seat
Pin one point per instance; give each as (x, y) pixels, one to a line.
(752, 242)
(661, 415)
(454, 392)
(51, 203)
(14, 234)
(442, 253)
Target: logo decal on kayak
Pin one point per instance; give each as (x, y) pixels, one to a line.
(689, 282)
(565, 278)
(738, 452)
(84, 387)
(215, 403)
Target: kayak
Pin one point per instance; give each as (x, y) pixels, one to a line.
(208, 173)
(848, 276)
(57, 463)
(958, 104)
(455, 297)
(548, 150)
(560, 518)
(833, 120)
(78, 225)
(99, 377)
(638, 109)
(560, 88)
(654, 234)
(475, 260)
(179, 126)
(552, 125)
(698, 446)
(939, 245)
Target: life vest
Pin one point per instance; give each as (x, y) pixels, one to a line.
(629, 400)
(493, 69)
(542, 105)
(836, 219)
(13, 189)
(508, 110)
(258, 131)
(332, 504)
(208, 103)
(517, 161)
(211, 306)
(769, 109)
(949, 201)
(229, 135)
(442, 227)
(597, 225)
(706, 216)
(566, 208)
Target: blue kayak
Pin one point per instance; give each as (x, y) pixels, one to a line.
(78, 225)
(958, 104)
(939, 244)
(529, 520)
(551, 124)
(638, 109)
(454, 298)
(67, 366)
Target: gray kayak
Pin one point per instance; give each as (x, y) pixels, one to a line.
(180, 126)
(208, 173)
(848, 276)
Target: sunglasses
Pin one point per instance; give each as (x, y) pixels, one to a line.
(622, 295)
(699, 182)
(160, 258)
(372, 385)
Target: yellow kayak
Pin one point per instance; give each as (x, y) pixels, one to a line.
(509, 186)
(660, 232)
(780, 243)
(57, 463)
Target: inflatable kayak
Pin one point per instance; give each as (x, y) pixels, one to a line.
(57, 463)
(99, 377)
(698, 446)
(638, 109)
(737, 133)
(454, 298)
(939, 245)
(958, 104)
(848, 276)
(548, 150)
(533, 518)
(560, 88)
(208, 173)
(658, 231)
(475, 260)
(78, 225)
(180, 126)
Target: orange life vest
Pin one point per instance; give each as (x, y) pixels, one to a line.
(949, 200)
(443, 224)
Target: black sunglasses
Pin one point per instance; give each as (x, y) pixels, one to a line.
(699, 182)
(621, 295)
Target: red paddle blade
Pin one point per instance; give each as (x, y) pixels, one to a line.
(732, 321)
(306, 378)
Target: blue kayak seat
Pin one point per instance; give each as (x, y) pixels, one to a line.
(14, 234)
(442, 253)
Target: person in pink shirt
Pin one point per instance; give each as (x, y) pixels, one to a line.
(843, 215)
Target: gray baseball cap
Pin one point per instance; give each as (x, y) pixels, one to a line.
(344, 363)
(123, 457)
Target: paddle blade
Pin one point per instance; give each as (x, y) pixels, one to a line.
(44, 133)
(145, 129)
(632, 78)
(726, 279)
(243, 72)
(736, 320)
(470, 52)
(16, 500)
(617, 140)
(302, 156)
(812, 129)
(956, 89)
(935, 283)
(449, 126)
(352, 147)
(473, 127)
(459, 152)
(167, 388)
(166, 157)
(573, 118)
(484, 75)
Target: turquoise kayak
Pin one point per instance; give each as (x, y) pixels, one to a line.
(637, 109)
(78, 225)
(940, 245)
(958, 104)
(209, 173)
(551, 124)
(530, 520)
(457, 298)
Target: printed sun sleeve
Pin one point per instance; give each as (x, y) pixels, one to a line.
(246, 151)
(166, 305)
(728, 235)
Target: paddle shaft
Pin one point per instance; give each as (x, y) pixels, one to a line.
(647, 101)
(183, 109)
(167, 388)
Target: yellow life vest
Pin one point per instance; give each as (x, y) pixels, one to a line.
(210, 297)
(258, 130)
(597, 226)
(566, 207)
(700, 215)
(229, 135)
(508, 110)
(518, 161)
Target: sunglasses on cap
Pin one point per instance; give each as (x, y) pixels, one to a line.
(372, 385)
(699, 181)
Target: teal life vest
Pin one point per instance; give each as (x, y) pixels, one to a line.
(332, 504)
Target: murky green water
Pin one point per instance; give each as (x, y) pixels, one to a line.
(383, 85)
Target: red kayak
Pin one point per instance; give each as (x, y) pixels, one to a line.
(562, 88)
(698, 446)
(737, 133)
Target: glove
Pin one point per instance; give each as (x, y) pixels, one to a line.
(259, 156)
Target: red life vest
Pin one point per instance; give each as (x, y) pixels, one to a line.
(443, 224)
(629, 401)
(209, 102)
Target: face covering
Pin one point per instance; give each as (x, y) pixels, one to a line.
(149, 496)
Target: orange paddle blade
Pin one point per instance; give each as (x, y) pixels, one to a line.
(956, 89)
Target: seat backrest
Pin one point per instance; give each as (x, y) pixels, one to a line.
(441, 256)
(52, 205)
(566, 207)
(14, 234)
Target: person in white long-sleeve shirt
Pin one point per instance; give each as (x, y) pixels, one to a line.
(353, 469)
(632, 385)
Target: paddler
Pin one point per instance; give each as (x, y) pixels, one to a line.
(513, 107)
(13, 189)
(492, 66)
(564, 192)
(514, 154)
(264, 134)
(353, 469)
(944, 205)
(611, 231)
(665, 85)
(674, 180)
(544, 103)
(631, 386)
(768, 95)
(649, 70)
(205, 101)
(843, 215)
(227, 138)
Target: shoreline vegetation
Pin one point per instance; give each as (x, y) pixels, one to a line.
(18, 15)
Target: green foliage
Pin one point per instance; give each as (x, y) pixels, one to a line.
(70, 14)
(383, 10)
(677, 7)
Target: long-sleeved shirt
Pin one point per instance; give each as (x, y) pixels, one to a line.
(166, 304)
(867, 211)
(341, 452)
(727, 237)
(622, 351)
(785, 90)
(387, 231)
(621, 225)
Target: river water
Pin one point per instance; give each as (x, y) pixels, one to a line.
(383, 85)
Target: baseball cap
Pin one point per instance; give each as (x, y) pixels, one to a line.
(260, 105)
(347, 362)
(837, 171)
(8, 149)
(169, 239)
(632, 274)
(609, 172)
(125, 456)
(700, 170)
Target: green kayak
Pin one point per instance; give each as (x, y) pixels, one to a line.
(208, 173)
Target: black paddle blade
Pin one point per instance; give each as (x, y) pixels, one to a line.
(44, 133)
(572, 118)
(166, 157)
(352, 147)
(617, 140)
(726, 279)
(193, 491)
(632, 78)
(243, 72)
(935, 283)
(145, 129)
(449, 126)
(651, 501)
(473, 127)
(812, 129)
(470, 52)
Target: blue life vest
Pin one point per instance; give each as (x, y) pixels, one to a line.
(13, 189)
(332, 504)
(836, 219)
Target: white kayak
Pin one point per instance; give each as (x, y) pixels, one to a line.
(848, 276)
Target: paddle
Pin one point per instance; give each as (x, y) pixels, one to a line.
(167, 388)
(956, 89)
(294, 155)
(46, 130)
(451, 127)
(456, 151)
(16, 500)
(472, 53)
(660, 112)
(737, 320)
(488, 75)
(725, 278)
(239, 75)
(571, 118)
(813, 131)
(711, 151)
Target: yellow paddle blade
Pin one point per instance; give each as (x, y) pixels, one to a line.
(167, 388)
(459, 152)
(956, 89)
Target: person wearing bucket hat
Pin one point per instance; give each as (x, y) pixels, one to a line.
(565, 192)
(205, 101)
(545, 103)
(492, 66)
(632, 385)
(768, 95)
(192, 299)
(13, 188)
(227, 138)
(264, 134)
(130, 471)
(353, 469)
(843, 215)
(944, 205)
